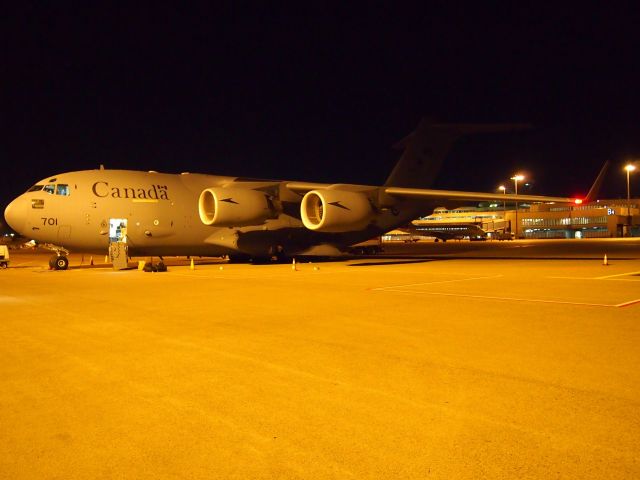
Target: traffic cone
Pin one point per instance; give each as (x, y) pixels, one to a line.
(293, 265)
(91, 261)
(605, 262)
(192, 267)
(106, 259)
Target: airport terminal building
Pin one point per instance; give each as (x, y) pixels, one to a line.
(603, 218)
(600, 219)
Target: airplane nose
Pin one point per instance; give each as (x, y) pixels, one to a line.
(15, 215)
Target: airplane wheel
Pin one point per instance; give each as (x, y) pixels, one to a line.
(52, 262)
(62, 263)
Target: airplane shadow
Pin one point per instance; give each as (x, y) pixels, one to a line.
(394, 262)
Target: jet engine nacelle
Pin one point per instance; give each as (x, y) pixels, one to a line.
(335, 210)
(234, 207)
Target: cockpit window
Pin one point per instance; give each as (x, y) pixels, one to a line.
(62, 189)
(51, 189)
(36, 188)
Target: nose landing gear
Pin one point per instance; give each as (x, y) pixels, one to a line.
(58, 262)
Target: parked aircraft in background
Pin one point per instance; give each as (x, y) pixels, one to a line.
(155, 214)
(460, 223)
(457, 231)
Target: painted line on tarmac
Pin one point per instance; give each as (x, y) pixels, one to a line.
(607, 277)
(515, 299)
(617, 275)
(629, 303)
(437, 282)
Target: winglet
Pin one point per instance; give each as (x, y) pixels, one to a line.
(595, 188)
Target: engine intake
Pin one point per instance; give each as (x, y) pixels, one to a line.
(335, 210)
(234, 207)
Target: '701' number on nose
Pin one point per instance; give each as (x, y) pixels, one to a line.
(49, 221)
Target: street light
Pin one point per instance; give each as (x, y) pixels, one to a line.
(516, 179)
(629, 168)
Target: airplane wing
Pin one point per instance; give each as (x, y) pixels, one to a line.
(304, 187)
(427, 194)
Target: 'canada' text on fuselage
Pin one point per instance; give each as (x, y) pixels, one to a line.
(156, 192)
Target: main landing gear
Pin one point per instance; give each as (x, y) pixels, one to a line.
(58, 262)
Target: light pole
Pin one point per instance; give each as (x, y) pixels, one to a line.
(504, 208)
(629, 168)
(516, 179)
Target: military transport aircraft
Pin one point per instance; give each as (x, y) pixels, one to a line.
(156, 214)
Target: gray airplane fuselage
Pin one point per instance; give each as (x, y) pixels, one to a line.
(162, 215)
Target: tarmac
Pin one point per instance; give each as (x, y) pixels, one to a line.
(432, 365)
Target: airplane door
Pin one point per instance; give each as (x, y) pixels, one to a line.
(118, 250)
(118, 230)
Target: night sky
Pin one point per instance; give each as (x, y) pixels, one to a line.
(319, 92)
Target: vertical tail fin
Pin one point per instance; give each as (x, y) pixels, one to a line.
(595, 188)
(426, 148)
